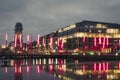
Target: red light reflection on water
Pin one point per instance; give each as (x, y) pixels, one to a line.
(15, 69)
(101, 66)
(83, 67)
(50, 68)
(20, 69)
(28, 69)
(38, 69)
(95, 67)
(6, 70)
(43, 67)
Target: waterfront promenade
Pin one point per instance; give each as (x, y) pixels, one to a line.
(65, 56)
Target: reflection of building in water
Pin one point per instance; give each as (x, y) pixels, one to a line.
(72, 70)
(18, 70)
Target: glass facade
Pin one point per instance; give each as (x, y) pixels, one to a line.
(86, 37)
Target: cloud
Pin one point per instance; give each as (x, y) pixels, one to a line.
(45, 16)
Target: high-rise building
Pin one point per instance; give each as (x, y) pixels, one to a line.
(18, 41)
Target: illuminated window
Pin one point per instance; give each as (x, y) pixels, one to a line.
(112, 30)
(99, 31)
(100, 26)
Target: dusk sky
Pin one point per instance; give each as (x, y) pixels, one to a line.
(45, 16)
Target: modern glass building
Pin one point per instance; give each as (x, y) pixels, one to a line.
(86, 37)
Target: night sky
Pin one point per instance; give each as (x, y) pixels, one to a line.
(45, 16)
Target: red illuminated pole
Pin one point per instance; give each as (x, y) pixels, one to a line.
(83, 38)
(95, 67)
(31, 44)
(38, 42)
(99, 66)
(99, 40)
(62, 45)
(51, 44)
(107, 41)
(43, 42)
(119, 42)
(103, 66)
(38, 39)
(21, 42)
(6, 40)
(28, 40)
(15, 42)
(83, 68)
(95, 41)
(107, 66)
(103, 43)
(58, 44)
(119, 65)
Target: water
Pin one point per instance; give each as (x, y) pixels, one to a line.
(58, 69)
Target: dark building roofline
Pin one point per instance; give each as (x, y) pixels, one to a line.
(87, 22)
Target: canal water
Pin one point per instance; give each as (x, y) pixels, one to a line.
(58, 69)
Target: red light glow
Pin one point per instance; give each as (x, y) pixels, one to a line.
(15, 40)
(6, 70)
(51, 44)
(119, 42)
(107, 66)
(15, 69)
(6, 40)
(38, 69)
(99, 40)
(103, 66)
(95, 67)
(99, 66)
(83, 67)
(107, 41)
(103, 42)
(84, 39)
(38, 39)
(95, 41)
(21, 41)
(28, 69)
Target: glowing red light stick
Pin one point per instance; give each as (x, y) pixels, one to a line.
(6, 40)
(119, 42)
(21, 41)
(99, 40)
(104, 42)
(38, 39)
(95, 41)
(15, 44)
(28, 38)
(99, 66)
(95, 67)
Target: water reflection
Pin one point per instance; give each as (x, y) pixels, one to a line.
(59, 69)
